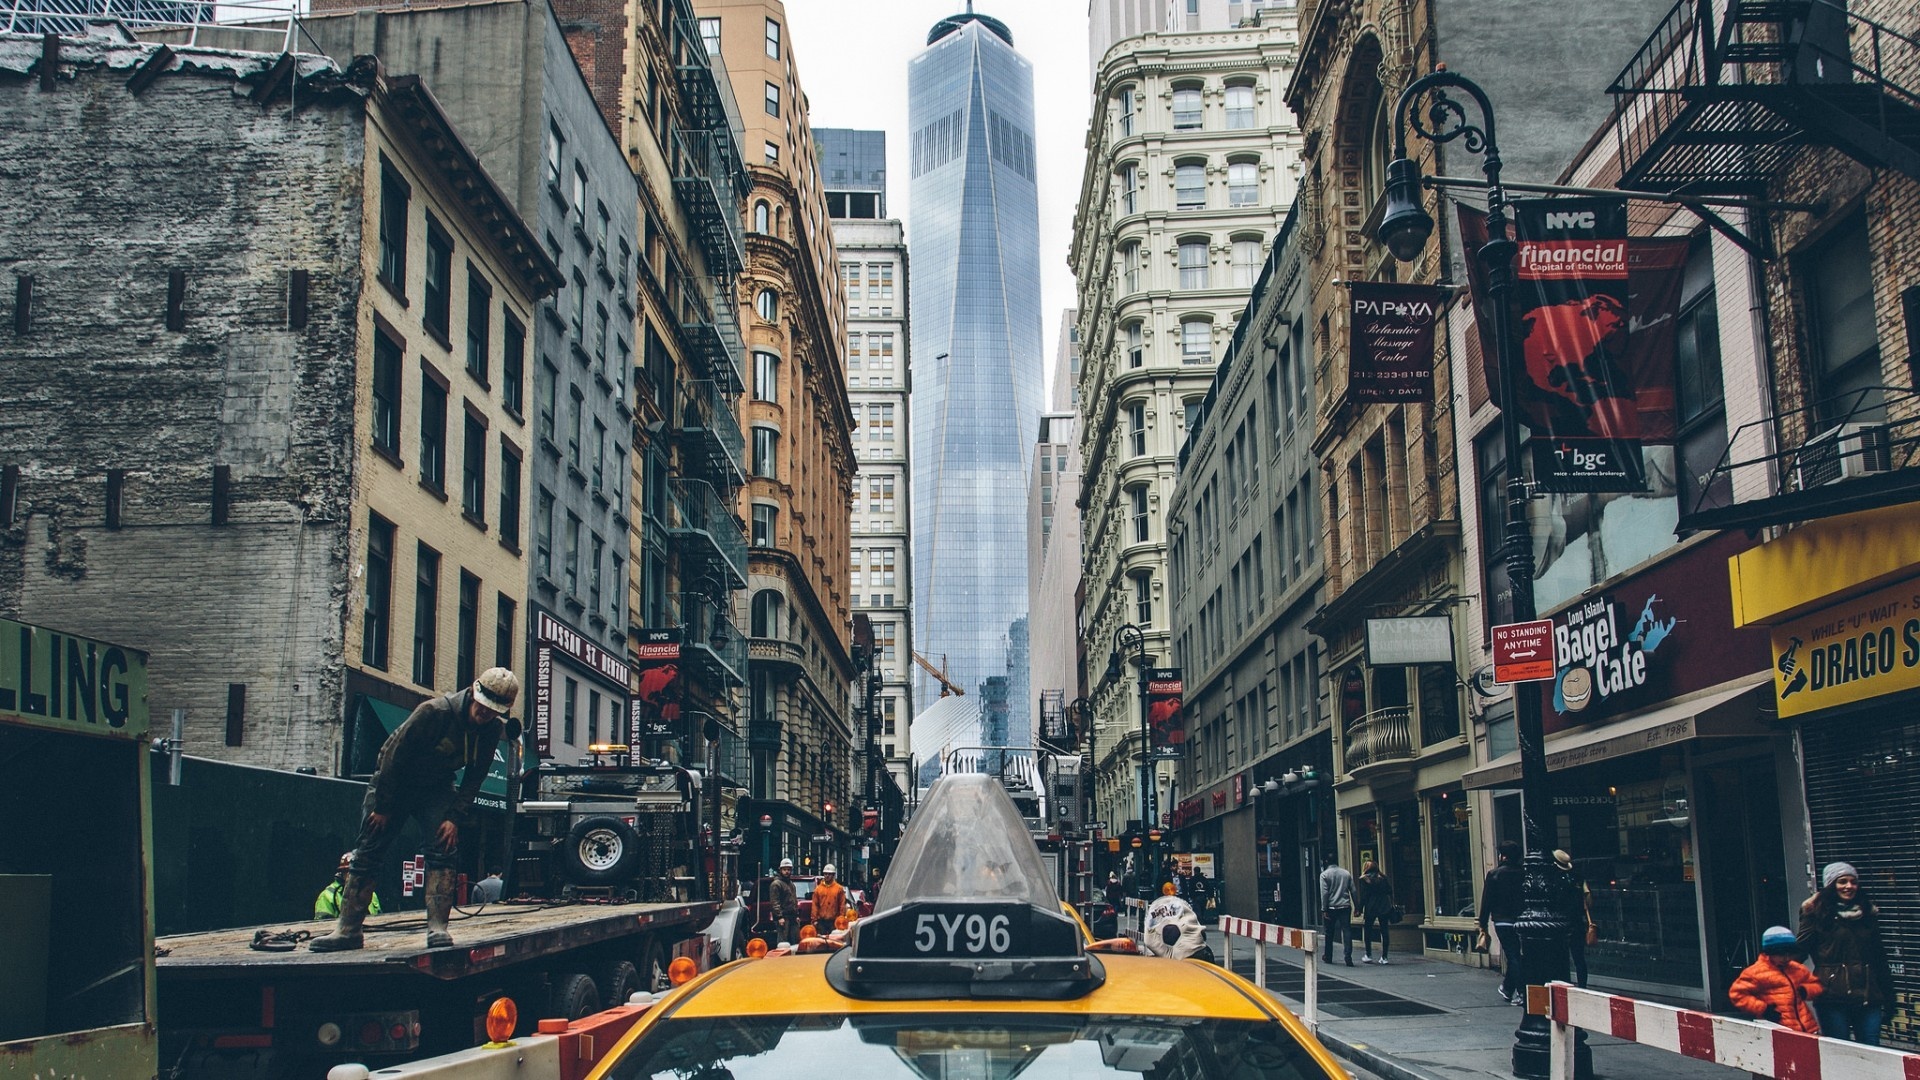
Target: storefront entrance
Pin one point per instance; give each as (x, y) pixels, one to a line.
(1742, 864)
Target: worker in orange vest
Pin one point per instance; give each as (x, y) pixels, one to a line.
(829, 900)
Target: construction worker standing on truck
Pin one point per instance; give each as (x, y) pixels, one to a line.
(786, 903)
(414, 778)
(327, 904)
(829, 901)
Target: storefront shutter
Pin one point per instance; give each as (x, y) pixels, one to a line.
(1863, 785)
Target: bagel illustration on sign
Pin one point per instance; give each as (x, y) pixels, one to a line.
(1575, 690)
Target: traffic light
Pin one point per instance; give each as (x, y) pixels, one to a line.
(829, 809)
(1153, 835)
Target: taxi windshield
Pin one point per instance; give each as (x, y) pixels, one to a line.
(967, 1046)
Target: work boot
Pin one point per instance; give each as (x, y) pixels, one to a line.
(356, 892)
(439, 905)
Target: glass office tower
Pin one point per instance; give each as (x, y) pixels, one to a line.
(976, 349)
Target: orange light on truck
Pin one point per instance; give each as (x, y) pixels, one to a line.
(502, 1017)
(681, 970)
(756, 948)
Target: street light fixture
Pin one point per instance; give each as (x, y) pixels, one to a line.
(1404, 229)
(1130, 643)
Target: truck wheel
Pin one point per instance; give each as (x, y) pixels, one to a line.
(653, 968)
(617, 980)
(601, 850)
(571, 996)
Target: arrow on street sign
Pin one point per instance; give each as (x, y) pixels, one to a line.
(1523, 652)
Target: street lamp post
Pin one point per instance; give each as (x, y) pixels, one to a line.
(1404, 229)
(1130, 643)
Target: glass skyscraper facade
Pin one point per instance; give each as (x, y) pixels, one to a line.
(977, 364)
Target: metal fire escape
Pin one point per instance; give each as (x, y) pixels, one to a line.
(1726, 92)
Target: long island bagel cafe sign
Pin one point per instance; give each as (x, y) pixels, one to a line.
(552, 636)
(1645, 639)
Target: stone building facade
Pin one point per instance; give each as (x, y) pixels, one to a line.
(263, 477)
(800, 450)
(1193, 159)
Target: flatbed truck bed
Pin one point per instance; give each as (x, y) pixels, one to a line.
(228, 1009)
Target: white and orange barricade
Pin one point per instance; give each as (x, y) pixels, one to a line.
(1265, 934)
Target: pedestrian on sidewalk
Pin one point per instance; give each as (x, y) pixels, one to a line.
(1500, 906)
(1336, 907)
(1777, 987)
(1840, 931)
(1373, 896)
(414, 778)
(1581, 930)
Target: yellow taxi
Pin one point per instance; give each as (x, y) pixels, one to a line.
(972, 971)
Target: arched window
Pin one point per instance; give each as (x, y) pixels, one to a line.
(767, 604)
(1379, 151)
(1243, 183)
(767, 304)
(1193, 262)
(1190, 185)
(1123, 102)
(1196, 341)
(1186, 108)
(1246, 261)
(762, 217)
(1240, 106)
(1137, 496)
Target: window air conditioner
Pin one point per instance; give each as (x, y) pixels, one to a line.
(1843, 453)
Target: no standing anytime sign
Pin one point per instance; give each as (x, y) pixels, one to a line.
(1523, 652)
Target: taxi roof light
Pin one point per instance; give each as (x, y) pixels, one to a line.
(968, 840)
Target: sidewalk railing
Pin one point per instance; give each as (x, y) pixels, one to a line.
(1265, 934)
(1762, 1049)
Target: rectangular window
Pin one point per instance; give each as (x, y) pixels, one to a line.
(236, 713)
(426, 614)
(763, 519)
(509, 495)
(1239, 107)
(468, 645)
(1130, 268)
(473, 469)
(549, 398)
(503, 632)
(513, 365)
(1186, 109)
(765, 446)
(570, 724)
(1129, 189)
(773, 40)
(773, 99)
(617, 596)
(572, 569)
(880, 347)
(556, 149)
(766, 377)
(1189, 186)
(543, 535)
(1701, 394)
(880, 281)
(479, 325)
(376, 615)
(580, 198)
(771, 152)
(577, 315)
(394, 193)
(593, 717)
(1137, 428)
(599, 457)
(573, 429)
(1196, 341)
(601, 224)
(438, 315)
(885, 637)
(850, 279)
(433, 431)
(710, 35)
(597, 551)
(1243, 183)
(1193, 264)
(387, 355)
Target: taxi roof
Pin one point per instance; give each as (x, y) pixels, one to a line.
(1134, 986)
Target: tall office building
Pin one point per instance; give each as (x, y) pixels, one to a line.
(872, 250)
(976, 349)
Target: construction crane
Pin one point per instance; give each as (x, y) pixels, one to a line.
(947, 688)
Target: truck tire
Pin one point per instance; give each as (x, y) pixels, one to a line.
(617, 980)
(601, 850)
(571, 995)
(653, 968)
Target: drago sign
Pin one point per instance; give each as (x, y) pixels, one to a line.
(1864, 648)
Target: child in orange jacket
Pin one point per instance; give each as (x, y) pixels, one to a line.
(1777, 987)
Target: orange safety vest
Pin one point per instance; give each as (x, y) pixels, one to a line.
(829, 900)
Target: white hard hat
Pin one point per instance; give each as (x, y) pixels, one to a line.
(496, 688)
(786, 864)
(827, 869)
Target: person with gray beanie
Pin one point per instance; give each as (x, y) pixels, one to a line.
(1840, 931)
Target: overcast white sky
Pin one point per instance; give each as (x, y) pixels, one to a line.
(852, 57)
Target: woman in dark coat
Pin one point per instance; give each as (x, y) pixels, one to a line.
(1840, 931)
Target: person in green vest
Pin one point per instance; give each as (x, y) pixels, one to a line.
(327, 904)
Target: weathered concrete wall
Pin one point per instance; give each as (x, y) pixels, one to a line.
(102, 194)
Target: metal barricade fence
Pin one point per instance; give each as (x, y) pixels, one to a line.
(1760, 1048)
(1133, 924)
(1265, 934)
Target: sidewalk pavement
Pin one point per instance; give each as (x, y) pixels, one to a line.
(1420, 1019)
